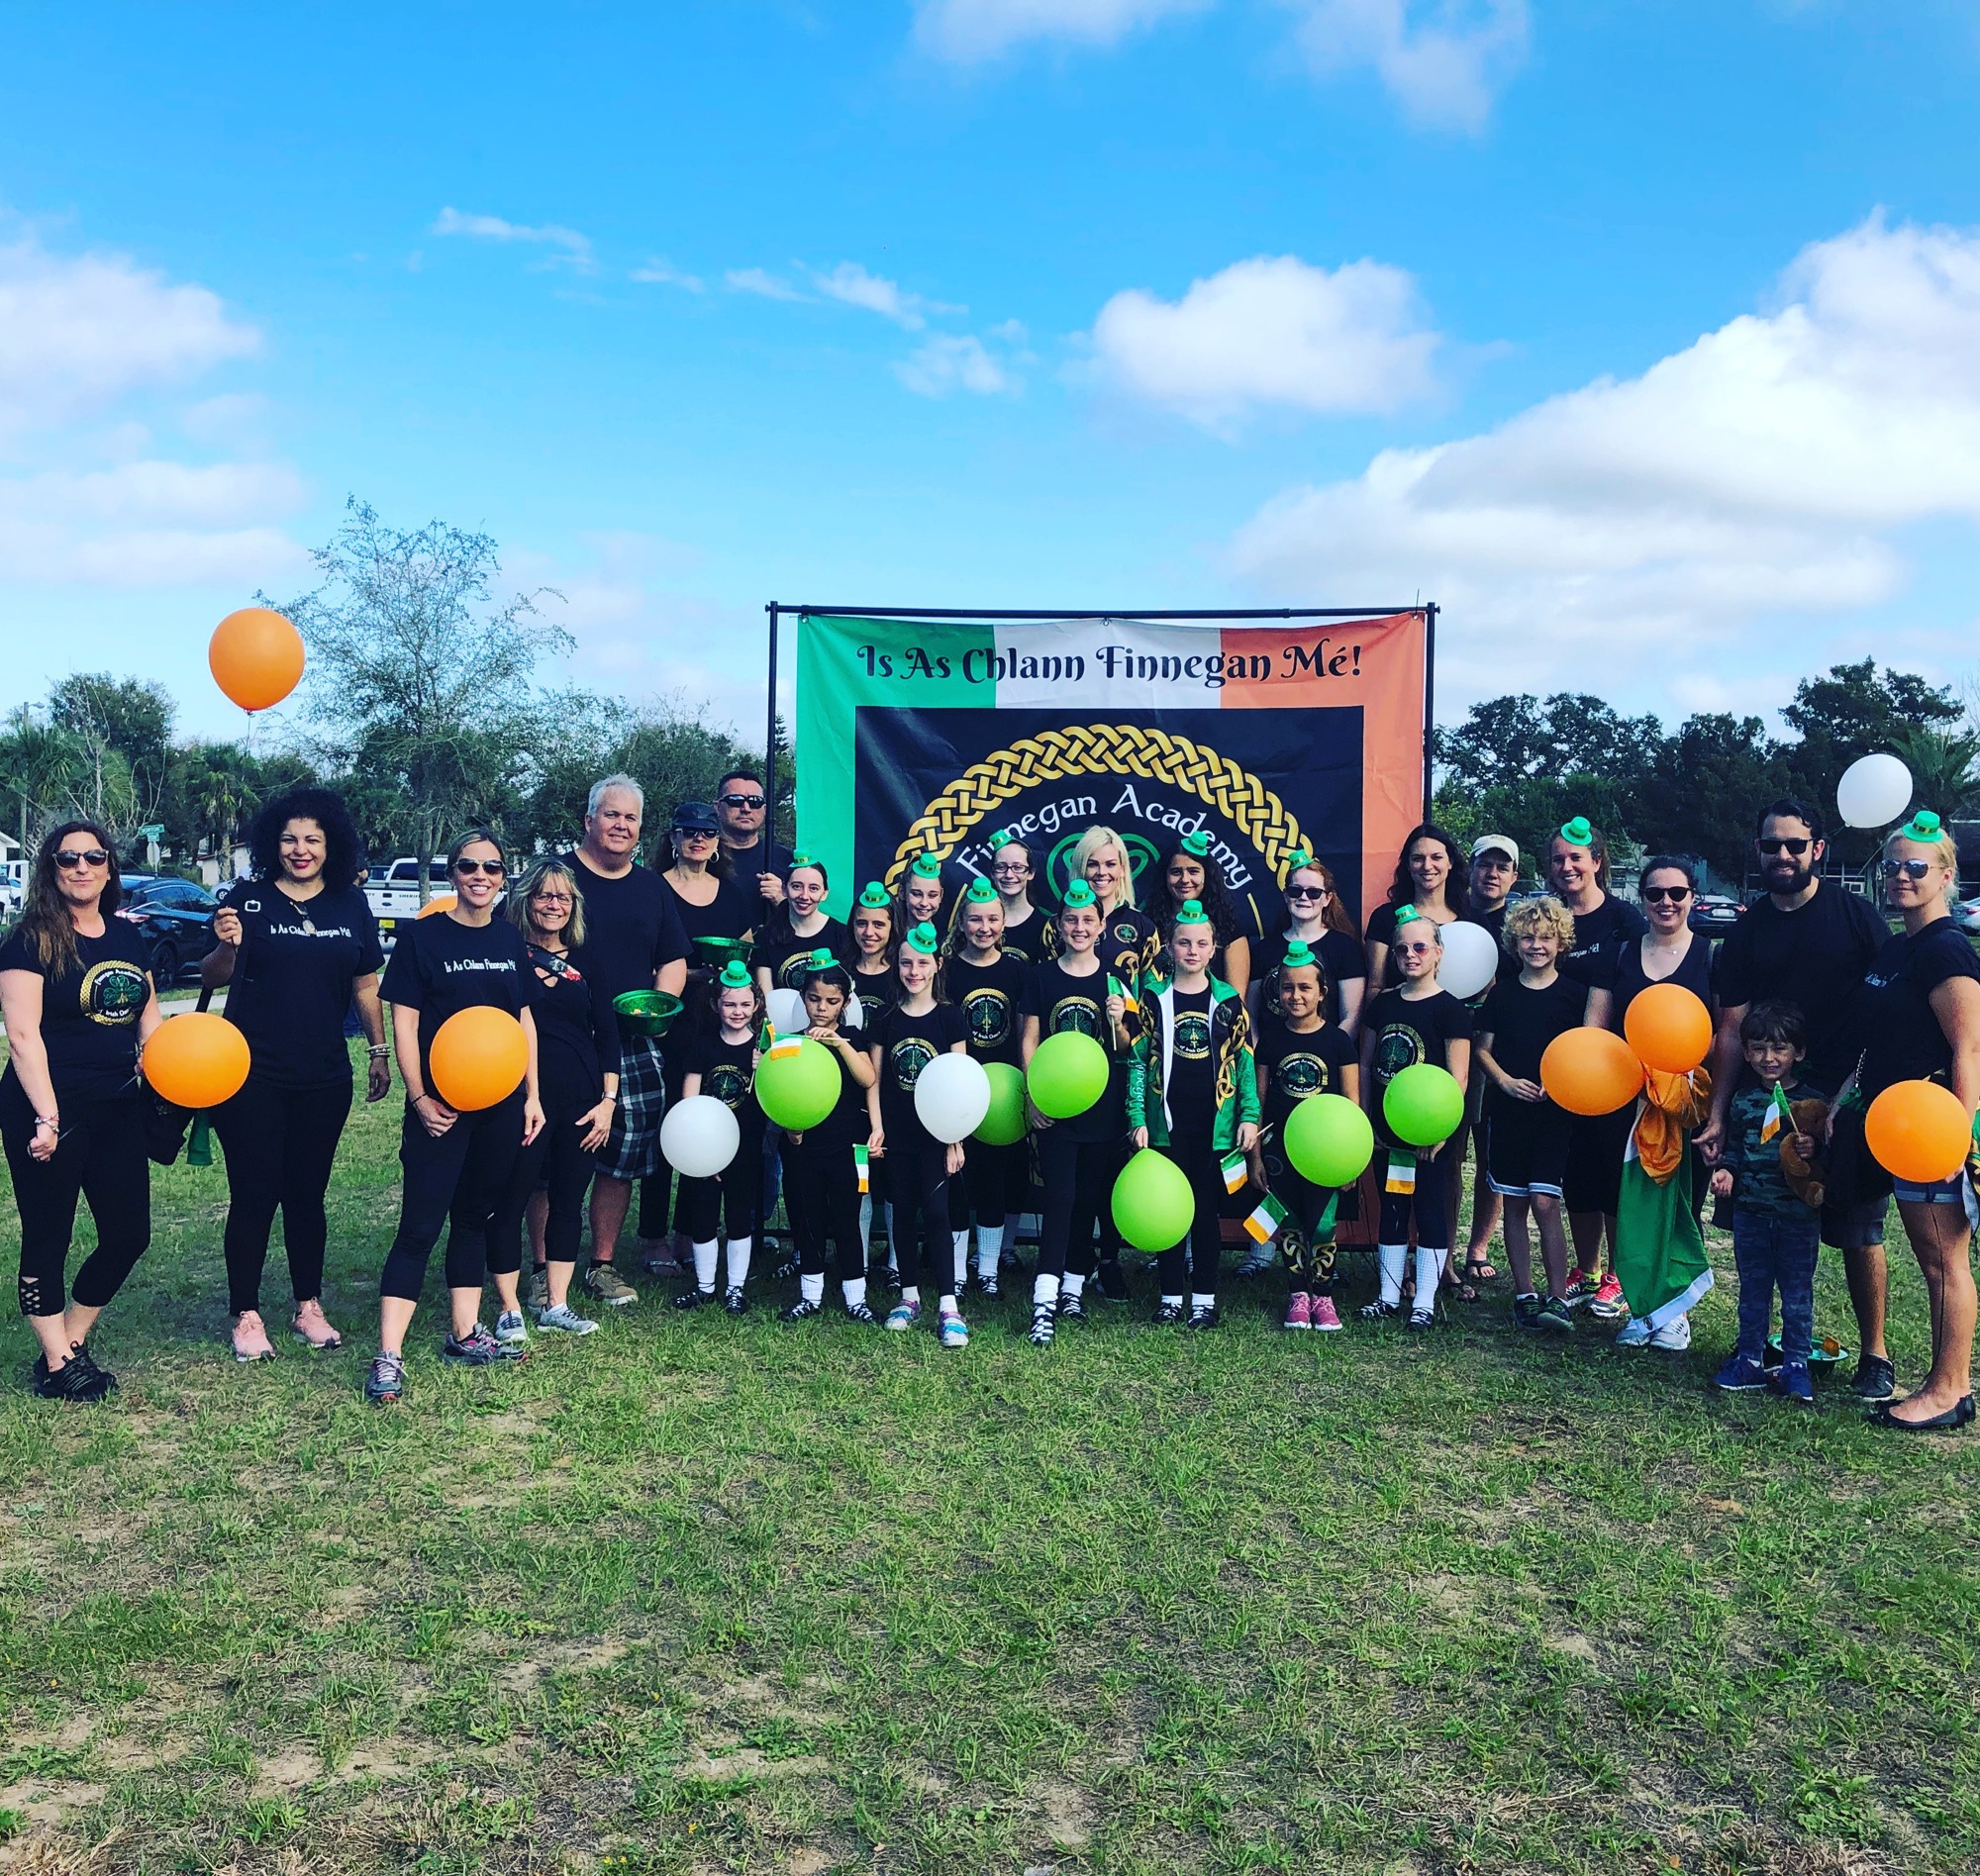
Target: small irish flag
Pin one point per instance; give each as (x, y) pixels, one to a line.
(1130, 1003)
(859, 1166)
(1778, 1116)
(783, 1045)
(1237, 1169)
(1266, 1219)
(1402, 1174)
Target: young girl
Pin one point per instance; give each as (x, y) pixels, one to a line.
(988, 987)
(1525, 1133)
(824, 1176)
(1299, 1055)
(878, 988)
(1077, 1156)
(1190, 873)
(1027, 932)
(1316, 918)
(1193, 1093)
(1416, 1021)
(795, 930)
(905, 1040)
(721, 1064)
(922, 894)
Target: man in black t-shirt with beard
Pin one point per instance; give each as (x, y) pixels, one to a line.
(1807, 943)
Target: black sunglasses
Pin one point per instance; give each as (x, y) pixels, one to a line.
(1657, 895)
(1796, 849)
(740, 801)
(1912, 869)
(493, 868)
(1306, 892)
(90, 856)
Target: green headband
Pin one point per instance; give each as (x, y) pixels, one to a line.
(923, 939)
(981, 893)
(875, 898)
(1297, 858)
(1192, 913)
(1197, 845)
(1580, 832)
(1924, 826)
(734, 975)
(1299, 955)
(926, 866)
(1078, 894)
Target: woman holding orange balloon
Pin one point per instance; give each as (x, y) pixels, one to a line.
(75, 989)
(471, 1106)
(1920, 1015)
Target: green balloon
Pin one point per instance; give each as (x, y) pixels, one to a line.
(1068, 1073)
(1152, 1203)
(1422, 1104)
(1004, 1125)
(798, 1091)
(1328, 1140)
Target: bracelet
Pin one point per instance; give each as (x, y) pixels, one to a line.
(53, 1127)
(379, 1048)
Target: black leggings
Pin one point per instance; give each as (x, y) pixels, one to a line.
(101, 1159)
(982, 1190)
(1076, 1176)
(279, 1143)
(919, 1185)
(1196, 1258)
(1429, 1205)
(731, 1196)
(1306, 1239)
(458, 1181)
(555, 1161)
(822, 1186)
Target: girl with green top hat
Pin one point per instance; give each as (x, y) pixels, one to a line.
(1189, 873)
(922, 894)
(877, 986)
(797, 928)
(1317, 916)
(1028, 931)
(903, 1041)
(1193, 1094)
(720, 1064)
(988, 988)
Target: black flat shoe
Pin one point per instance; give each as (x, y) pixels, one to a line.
(1957, 1415)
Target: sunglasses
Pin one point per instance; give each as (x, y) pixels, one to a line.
(696, 834)
(1911, 869)
(1412, 950)
(740, 801)
(73, 862)
(1658, 895)
(1306, 892)
(493, 868)
(1794, 849)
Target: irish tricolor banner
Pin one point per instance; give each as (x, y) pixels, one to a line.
(934, 735)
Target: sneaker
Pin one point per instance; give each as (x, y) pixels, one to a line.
(1527, 1312)
(566, 1321)
(1167, 1315)
(802, 1311)
(954, 1331)
(1874, 1380)
(663, 1263)
(386, 1383)
(1607, 1302)
(251, 1339)
(1554, 1317)
(1635, 1333)
(733, 1301)
(1204, 1315)
(1675, 1336)
(693, 1299)
(1258, 1261)
(1071, 1309)
(860, 1313)
(77, 1379)
(608, 1287)
(989, 1288)
(1380, 1312)
(1325, 1315)
(1423, 1318)
(1739, 1376)
(785, 1270)
(509, 1328)
(1045, 1324)
(903, 1317)
(311, 1325)
(1113, 1280)
(476, 1350)
(1792, 1383)
(1298, 1310)
(537, 1297)
(1581, 1285)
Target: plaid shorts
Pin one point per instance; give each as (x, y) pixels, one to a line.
(633, 1148)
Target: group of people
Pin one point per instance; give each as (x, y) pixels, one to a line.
(1213, 1034)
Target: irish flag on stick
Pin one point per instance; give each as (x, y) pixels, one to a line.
(1266, 1221)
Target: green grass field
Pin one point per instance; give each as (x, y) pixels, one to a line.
(699, 1596)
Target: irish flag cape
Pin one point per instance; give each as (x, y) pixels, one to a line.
(1660, 1257)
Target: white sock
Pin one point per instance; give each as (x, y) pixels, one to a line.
(1429, 1268)
(866, 1228)
(738, 1261)
(989, 1247)
(704, 1267)
(946, 1305)
(1392, 1257)
(811, 1289)
(960, 1241)
(853, 1291)
(1198, 1302)
(912, 1293)
(1074, 1284)
(893, 1249)
(1176, 1300)
(1044, 1289)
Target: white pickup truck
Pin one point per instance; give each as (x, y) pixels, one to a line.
(393, 892)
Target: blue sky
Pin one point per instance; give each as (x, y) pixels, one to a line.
(1643, 335)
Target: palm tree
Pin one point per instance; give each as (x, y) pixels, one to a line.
(1945, 769)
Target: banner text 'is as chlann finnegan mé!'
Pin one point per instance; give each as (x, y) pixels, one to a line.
(1210, 670)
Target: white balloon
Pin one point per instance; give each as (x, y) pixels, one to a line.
(787, 1012)
(699, 1136)
(1874, 791)
(1469, 959)
(952, 1096)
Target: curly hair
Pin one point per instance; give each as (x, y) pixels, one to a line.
(46, 921)
(1544, 914)
(343, 851)
(1214, 896)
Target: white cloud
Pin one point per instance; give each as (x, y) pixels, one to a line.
(1641, 525)
(574, 250)
(851, 284)
(1443, 62)
(1270, 332)
(969, 31)
(956, 362)
(768, 286)
(664, 275)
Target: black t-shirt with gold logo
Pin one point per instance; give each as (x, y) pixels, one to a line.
(991, 998)
(1191, 1088)
(1297, 1066)
(90, 1011)
(907, 1044)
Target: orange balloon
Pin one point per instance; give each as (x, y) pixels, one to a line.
(478, 1057)
(1918, 1131)
(256, 656)
(439, 902)
(1669, 1027)
(196, 1060)
(1591, 1071)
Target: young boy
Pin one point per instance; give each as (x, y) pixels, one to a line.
(1527, 1134)
(1776, 1233)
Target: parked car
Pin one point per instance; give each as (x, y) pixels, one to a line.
(1716, 914)
(393, 892)
(13, 889)
(1966, 916)
(177, 917)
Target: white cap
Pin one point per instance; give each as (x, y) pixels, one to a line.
(1496, 843)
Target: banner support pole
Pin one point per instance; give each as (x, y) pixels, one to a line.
(1429, 705)
(771, 733)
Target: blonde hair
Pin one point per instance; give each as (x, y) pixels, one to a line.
(1090, 842)
(1944, 851)
(1545, 914)
(525, 889)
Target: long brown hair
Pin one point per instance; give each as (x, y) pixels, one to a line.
(1336, 916)
(46, 921)
(1456, 883)
(522, 891)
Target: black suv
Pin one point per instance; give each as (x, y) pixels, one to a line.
(176, 919)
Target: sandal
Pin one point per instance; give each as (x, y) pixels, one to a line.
(1457, 1286)
(1480, 1270)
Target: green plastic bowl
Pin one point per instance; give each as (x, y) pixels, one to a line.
(647, 1012)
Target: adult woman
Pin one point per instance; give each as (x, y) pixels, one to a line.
(1578, 871)
(297, 946)
(1430, 877)
(1028, 931)
(1316, 918)
(795, 930)
(577, 1075)
(1189, 871)
(1660, 1268)
(1920, 1014)
(456, 1165)
(75, 988)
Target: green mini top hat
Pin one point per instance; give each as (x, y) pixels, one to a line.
(1197, 845)
(1078, 894)
(1579, 832)
(926, 866)
(1001, 838)
(1299, 956)
(1923, 825)
(1405, 913)
(734, 975)
(801, 860)
(822, 959)
(981, 893)
(1192, 913)
(1297, 858)
(923, 939)
(875, 897)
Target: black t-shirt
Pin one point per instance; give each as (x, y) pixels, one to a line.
(746, 864)
(1494, 922)
(1033, 942)
(1299, 1064)
(631, 925)
(1815, 958)
(1061, 1002)
(1523, 1021)
(991, 998)
(727, 1072)
(729, 914)
(1625, 979)
(847, 1123)
(440, 967)
(577, 1035)
(1191, 1088)
(291, 985)
(1407, 1033)
(1128, 943)
(877, 991)
(1382, 930)
(787, 956)
(1901, 1036)
(1340, 958)
(907, 1044)
(1598, 937)
(90, 1011)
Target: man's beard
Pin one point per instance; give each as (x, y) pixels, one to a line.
(1790, 883)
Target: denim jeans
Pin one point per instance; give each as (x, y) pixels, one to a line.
(1775, 1253)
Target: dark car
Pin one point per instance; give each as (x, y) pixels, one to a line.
(176, 919)
(1714, 913)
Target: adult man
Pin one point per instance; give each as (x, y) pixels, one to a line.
(1808, 945)
(1495, 866)
(633, 941)
(742, 805)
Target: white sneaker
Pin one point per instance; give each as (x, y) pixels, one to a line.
(509, 1327)
(564, 1319)
(1636, 1334)
(1675, 1334)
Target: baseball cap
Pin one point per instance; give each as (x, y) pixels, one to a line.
(1496, 843)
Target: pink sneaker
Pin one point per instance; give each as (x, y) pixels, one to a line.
(1607, 1302)
(1325, 1315)
(1298, 1310)
(251, 1339)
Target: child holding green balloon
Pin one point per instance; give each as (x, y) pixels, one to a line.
(824, 1189)
(872, 967)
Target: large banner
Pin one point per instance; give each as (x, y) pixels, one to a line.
(916, 736)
